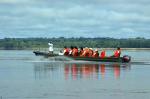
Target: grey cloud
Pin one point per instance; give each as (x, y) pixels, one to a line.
(80, 18)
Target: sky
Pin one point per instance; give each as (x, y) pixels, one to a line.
(75, 18)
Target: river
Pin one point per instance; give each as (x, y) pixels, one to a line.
(26, 76)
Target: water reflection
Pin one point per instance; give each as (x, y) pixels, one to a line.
(74, 71)
(47, 70)
(94, 71)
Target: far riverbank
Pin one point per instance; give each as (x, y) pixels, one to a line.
(57, 49)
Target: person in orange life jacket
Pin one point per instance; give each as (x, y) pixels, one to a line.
(90, 52)
(71, 50)
(117, 52)
(75, 51)
(85, 52)
(81, 51)
(66, 51)
(103, 54)
(95, 54)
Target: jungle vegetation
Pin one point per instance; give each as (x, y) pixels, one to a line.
(28, 43)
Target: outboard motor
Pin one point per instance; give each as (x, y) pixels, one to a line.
(126, 58)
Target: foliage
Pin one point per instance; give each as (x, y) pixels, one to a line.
(28, 43)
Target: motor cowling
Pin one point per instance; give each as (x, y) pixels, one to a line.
(126, 58)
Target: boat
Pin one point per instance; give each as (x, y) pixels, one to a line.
(124, 59)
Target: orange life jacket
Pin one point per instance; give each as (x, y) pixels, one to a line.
(81, 52)
(117, 53)
(75, 52)
(85, 52)
(66, 51)
(90, 52)
(95, 54)
(103, 54)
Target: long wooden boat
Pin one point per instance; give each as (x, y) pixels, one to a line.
(124, 59)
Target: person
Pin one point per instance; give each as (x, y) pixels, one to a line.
(117, 52)
(50, 48)
(103, 54)
(66, 51)
(90, 52)
(95, 54)
(85, 52)
(81, 51)
(71, 50)
(75, 51)
(60, 53)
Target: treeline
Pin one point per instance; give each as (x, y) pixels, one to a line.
(28, 43)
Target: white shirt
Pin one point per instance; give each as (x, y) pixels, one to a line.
(50, 47)
(60, 53)
(70, 52)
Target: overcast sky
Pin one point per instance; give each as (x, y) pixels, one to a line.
(75, 18)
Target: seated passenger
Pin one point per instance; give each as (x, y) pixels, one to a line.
(85, 52)
(71, 50)
(60, 53)
(66, 51)
(117, 52)
(90, 52)
(75, 51)
(103, 54)
(95, 54)
(81, 51)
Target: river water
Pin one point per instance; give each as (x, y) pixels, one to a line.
(26, 76)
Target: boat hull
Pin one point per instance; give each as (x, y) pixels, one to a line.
(38, 53)
(106, 59)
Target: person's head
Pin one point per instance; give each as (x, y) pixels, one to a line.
(71, 47)
(81, 48)
(75, 47)
(118, 48)
(65, 47)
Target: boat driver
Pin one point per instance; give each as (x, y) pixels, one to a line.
(50, 48)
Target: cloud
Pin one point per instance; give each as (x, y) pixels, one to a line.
(69, 18)
(11, 1)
